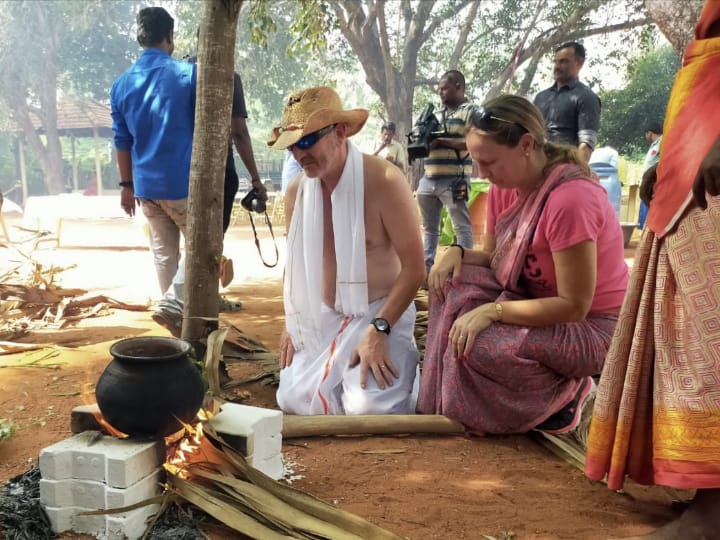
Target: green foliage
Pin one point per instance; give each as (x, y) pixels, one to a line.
(261, 22)
(6, 429)
(627, 112)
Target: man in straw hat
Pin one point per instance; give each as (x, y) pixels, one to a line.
(354, 264)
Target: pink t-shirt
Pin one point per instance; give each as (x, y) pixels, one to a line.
(575, 212)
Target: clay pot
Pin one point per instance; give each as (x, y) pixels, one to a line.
(150, 386)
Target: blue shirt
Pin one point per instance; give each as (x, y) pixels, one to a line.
(153, 111)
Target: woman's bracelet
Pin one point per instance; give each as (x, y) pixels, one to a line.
(462, 250)
(498, 311)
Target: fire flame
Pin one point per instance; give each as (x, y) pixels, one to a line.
(88, 393)
(188, 448)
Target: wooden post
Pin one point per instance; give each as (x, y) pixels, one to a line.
(23, 173)
(74, 163)
(98, 168)
(371, 424)
(203, 234)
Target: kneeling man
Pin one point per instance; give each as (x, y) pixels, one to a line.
(354, 264)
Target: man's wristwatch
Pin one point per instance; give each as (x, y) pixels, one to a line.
(381, 325)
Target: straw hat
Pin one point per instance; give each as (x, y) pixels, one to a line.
(312, 109)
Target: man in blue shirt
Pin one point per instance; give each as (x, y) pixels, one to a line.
(153, 111)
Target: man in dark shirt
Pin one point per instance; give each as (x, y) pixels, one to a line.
(570, 108)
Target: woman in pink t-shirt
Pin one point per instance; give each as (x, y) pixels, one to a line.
(517, 330)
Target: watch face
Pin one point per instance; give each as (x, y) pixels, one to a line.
(381, 325)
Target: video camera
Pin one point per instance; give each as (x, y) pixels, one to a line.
(423, 132)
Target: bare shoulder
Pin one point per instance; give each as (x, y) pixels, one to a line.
(381, 173)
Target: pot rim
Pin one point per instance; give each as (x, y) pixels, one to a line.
(119, 348)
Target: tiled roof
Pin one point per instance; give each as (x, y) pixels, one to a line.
(75, 116)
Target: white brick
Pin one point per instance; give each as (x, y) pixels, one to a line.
(272, 466)
(130, 525)
(87, 456)
(244, 420)
(92, 494)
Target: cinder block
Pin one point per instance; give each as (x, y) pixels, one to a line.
(244, 420)
(130, 525)
(252, 445)
(90, 456)
(272, 466)
(92, 494)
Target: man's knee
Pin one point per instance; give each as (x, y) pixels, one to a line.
(290, 403)
(359, 401)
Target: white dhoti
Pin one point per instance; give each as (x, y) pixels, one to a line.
(325, 384)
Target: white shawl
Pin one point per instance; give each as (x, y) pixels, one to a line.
(303, 273)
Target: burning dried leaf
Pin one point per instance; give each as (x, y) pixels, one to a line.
(224, 485)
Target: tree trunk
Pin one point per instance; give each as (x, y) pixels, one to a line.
(49, 153)
(676, 20)
(204, 236)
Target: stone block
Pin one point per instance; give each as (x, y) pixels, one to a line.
(119, 463)
(130, 525)
(272, 466)
(244, 420)
(97, 495)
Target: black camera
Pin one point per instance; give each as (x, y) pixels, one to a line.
(423, 132)
(252, 202)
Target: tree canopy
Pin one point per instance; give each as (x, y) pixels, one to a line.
(627, 112)
(77, 47)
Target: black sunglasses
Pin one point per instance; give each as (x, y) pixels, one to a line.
(482, 118)
(309, 140)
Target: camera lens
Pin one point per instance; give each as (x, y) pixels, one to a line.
(258, 205)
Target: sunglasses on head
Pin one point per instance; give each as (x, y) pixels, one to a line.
(309, 140)
(483, 118)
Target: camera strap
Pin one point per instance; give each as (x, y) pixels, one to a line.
(257, 241)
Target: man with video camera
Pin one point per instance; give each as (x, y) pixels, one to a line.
(447, 168)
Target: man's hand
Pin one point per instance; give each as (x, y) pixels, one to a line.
(647, 185)
(287, 350)
(372, 356)
(708, 176)
(127, 200)
(260, 188)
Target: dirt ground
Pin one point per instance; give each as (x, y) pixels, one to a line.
(427, 488)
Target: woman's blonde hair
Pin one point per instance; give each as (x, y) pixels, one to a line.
(506, 118)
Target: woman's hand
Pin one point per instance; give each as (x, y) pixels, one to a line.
(466, 328)
(448, 266)
(287, 350)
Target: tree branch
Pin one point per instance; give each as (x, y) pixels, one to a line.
(464, 33)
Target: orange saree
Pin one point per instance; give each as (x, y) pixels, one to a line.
(657, 410)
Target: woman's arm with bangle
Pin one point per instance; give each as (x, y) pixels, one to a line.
(576, 275)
